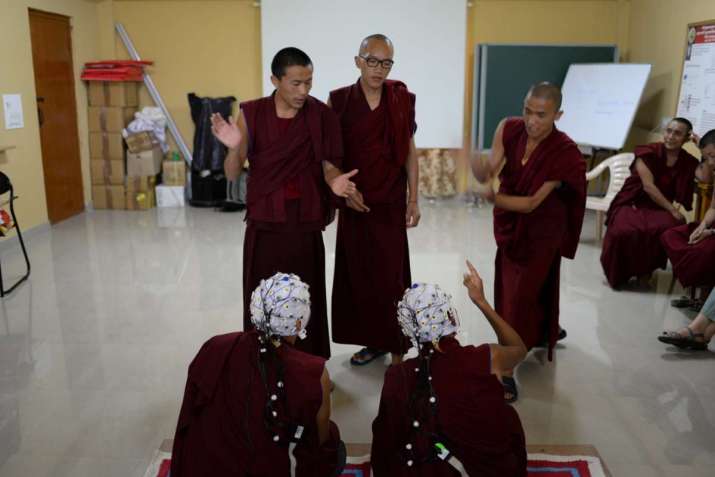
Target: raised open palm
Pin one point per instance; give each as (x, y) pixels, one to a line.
(226, 131)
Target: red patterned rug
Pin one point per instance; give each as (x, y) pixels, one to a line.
(540, 465)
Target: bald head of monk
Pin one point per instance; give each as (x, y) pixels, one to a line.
(707, 146)
(707, 151)
(374, 60)
(677, 132)
(292, 76)
(542, 108)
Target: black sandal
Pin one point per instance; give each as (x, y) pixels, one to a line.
(509, 385)
(366, 356)
(684, 342)
(682, 302)
(545, 342)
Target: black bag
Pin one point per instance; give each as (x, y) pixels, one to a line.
(209, 153)
(207, 190)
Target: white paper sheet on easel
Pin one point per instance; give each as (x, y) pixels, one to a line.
(12, 105)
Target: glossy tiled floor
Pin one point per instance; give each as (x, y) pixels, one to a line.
(94, 349)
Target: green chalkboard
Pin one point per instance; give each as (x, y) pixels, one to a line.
(504, 73)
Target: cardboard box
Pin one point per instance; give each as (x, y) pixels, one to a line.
(108, 197)
(141, 184)
(170, 196)
(106, 146)
(146, 163)
(113, 93)
(107, 172)
(173, 173)
(140, 200)
(140, 142)
(109, 119)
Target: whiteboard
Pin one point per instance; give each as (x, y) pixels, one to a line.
(600, 102)
(696, 100)
(429, 38)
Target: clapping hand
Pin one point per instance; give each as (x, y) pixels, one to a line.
(226, 131)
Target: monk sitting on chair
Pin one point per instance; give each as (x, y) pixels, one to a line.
(256, 406)
(661, 174)
(691, 247)
(443, 413)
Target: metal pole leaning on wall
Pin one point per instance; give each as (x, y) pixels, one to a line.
(176, 134)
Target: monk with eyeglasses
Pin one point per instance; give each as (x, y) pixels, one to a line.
(372, 264)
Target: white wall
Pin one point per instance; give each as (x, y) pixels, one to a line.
(429, 39)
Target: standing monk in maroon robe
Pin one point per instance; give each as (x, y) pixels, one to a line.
(294, 147)
(691, 247)
(538, 214)
(372, 262)
(255, 406)
(662, 173)
(443, 413)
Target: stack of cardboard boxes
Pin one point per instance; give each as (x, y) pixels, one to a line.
(111, 107)
(171, 192)
(125, 170)
(143, 165)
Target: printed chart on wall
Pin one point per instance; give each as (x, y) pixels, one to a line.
(697, 85)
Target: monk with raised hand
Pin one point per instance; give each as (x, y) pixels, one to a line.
(443, 413)
(662, 174)
(538, 214)
(372, 263)
(691, 247)
(294, 146)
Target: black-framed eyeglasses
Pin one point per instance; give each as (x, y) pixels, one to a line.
(372, 62)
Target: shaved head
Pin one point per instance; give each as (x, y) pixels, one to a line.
(371, 39)
(708, 139)
(688, 125)
(547, 91)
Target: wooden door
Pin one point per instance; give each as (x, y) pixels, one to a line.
(57, 114)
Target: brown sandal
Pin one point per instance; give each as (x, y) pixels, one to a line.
(685, 342)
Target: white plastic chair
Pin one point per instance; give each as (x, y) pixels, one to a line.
(619, 167)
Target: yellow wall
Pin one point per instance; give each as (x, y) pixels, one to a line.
(24, 164)
(657, 36)
(212, 48)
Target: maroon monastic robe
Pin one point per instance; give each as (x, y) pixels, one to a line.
(483, 432)
(530, 246)
(635, 223)
(221, 431)
(284, 233)
(693, 265)
(372, 263)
